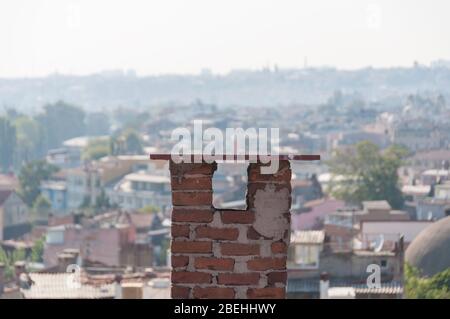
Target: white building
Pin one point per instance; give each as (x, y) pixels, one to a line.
(140, 189)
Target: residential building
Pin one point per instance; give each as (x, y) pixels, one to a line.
(115, 238)
(436, 206)
(417, 137)
(342, 225)
(434, 176)
(311, 254)
(312, 214)
(14, 215)
(388, 230)
(8, 182)
(137, 190)
(56, 193)
(85, 184)
(431, 159)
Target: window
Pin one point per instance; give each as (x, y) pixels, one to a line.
(55, 237)
(307, 256)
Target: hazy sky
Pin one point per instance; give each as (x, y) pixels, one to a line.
(38, 37)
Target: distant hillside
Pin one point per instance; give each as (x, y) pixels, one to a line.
(246, 88)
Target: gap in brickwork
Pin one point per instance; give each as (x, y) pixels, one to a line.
(230, 185)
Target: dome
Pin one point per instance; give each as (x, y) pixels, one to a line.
(430, 250)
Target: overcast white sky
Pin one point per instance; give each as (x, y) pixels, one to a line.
(38, 37)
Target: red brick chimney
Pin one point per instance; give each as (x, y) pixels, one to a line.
(229, 253)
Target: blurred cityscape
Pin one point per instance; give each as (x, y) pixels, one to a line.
(77, 186)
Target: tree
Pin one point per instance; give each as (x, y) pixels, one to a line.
(126, 142)
(97, 148)
(419, 287)
(9, 259)
(41, 207)
(30, 177)
(61, 121)
(102, 201)
(365, 173)
(132, 142)
(7, 144)
(161, 257)
(149, 209)
(29, 138)
(37, 252)
(86, 203)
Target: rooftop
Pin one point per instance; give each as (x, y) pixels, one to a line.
(308, 237)
(416, 189)
(376, 205)
(312, 285)
(433, 155)
(436, 172)
(147, 178)
(55, 286)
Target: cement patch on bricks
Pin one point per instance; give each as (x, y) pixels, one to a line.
(271, 205)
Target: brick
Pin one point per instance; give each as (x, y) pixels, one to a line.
(191, 183)
(191, 247)
(266, 293)
(213, 293)
(191, 168)
(180, 231)
(191, 277)
(191, 198)
(238, 279)
(179, 261)
(261, 264)
(279, 248)
(282, 164)
(237, 217)
(178, 292)
(282, 175)
(214, 263)
(236, 249)
(192, 215)
(217, 233)
(277, 277)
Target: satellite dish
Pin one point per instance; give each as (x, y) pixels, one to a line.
(378, 243)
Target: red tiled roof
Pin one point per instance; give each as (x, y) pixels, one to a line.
(433, 155)
(318, 210)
